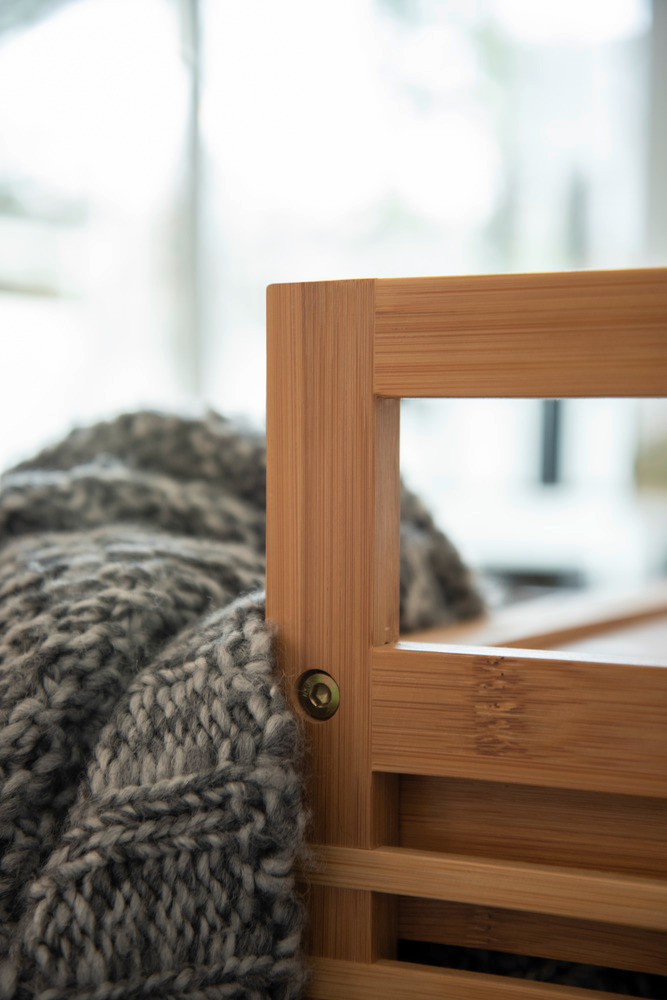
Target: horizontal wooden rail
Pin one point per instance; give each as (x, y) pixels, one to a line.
(529, 717)
(566, 892)
(598, 831)
(333, 979)
(580, 333)
(541, 935)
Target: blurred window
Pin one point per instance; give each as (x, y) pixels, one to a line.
(162, 161)
(93, 110)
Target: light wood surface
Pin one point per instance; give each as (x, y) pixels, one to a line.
(581, 333)
(608, 898)
(510, 715)
(560, 826)
(560, 938)
(555, 726)
(333, 561)
(333, 980)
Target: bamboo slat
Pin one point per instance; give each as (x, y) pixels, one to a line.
(402, 980)
(533, 718)
(580, 333)
(339, 356)
(559, 938)
(333, 556)
(337, 919)
(599, 896)
(550, 826)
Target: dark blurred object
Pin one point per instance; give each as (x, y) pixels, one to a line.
(544, 970)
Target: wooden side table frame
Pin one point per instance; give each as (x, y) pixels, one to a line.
(497, 797)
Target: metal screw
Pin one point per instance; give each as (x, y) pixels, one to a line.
(318, 694)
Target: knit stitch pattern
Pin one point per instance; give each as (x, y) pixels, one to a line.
(150, 802)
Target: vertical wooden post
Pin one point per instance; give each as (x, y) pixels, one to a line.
(333, 519)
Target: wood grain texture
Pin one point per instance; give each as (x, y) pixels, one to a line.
(404, 981)
(567, 892)
(386, 590)
(332, 911)
(339, 355)
(591, 830)
(560, 938)
(528, 717)
(333, 556)
(579, 333)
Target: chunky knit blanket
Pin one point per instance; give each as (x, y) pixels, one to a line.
(150, 802)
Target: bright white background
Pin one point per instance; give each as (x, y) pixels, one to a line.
(162, 161)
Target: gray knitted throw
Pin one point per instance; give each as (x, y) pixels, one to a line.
(150, 802)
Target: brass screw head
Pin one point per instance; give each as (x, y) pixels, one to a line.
(318, 694)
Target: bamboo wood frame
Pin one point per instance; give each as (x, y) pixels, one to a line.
(571, 742)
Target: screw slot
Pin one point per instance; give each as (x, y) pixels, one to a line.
(318, 694)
